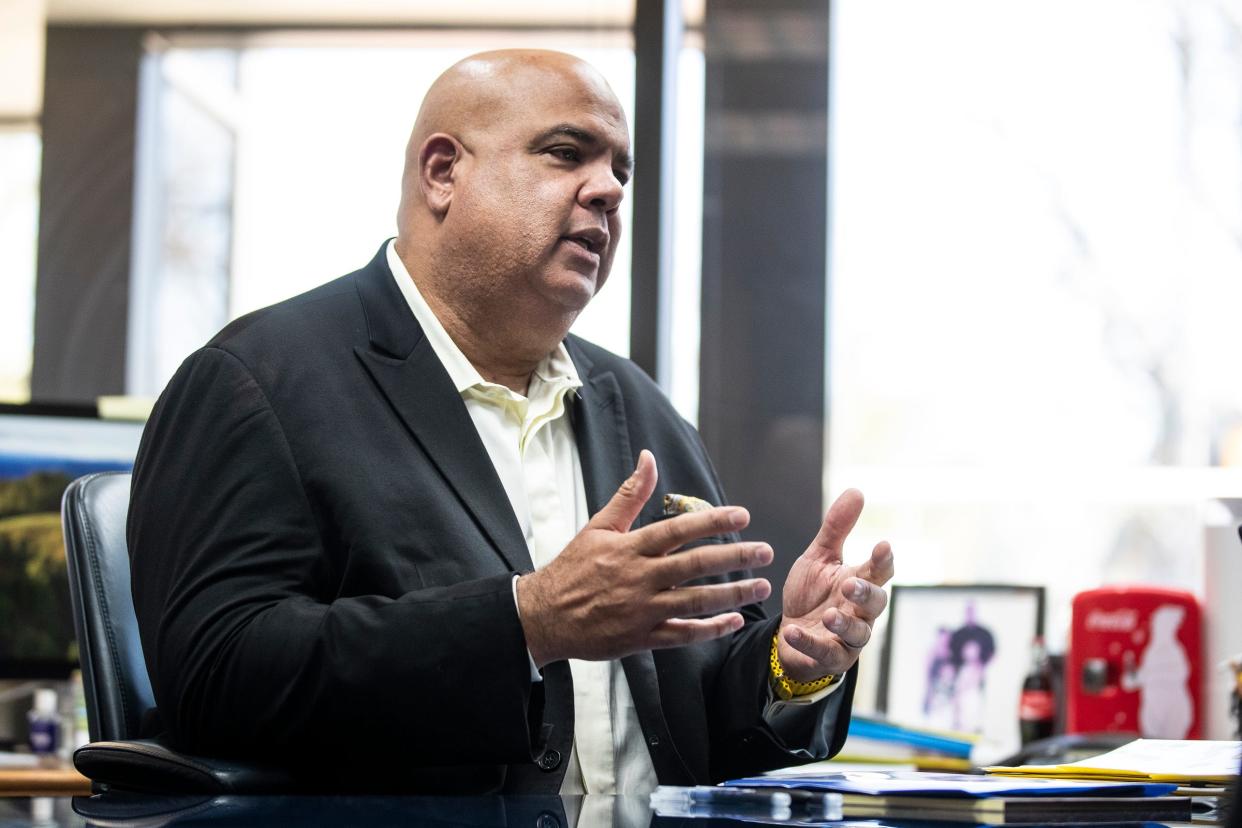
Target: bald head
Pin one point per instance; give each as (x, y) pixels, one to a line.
(509, 218)
(475, 95)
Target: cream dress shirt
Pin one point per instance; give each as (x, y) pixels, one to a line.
(531, 444)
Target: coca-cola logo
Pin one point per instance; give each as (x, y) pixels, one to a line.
(1122, 620)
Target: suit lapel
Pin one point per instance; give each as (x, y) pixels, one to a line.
(602, 434)
(407, 372)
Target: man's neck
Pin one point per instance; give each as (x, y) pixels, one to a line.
(505, 345)
(505, 360)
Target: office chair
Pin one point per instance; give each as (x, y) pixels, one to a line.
(114, 674)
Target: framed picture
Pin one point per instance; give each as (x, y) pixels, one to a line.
(955, 657)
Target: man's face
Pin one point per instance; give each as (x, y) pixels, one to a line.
(541, 188)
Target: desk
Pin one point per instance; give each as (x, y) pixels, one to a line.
(61, 780)
(380, 812)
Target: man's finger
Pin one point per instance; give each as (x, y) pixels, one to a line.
(713, 598)
(677, 632)
(851, 631)
(619, 513)
(664, 536)
(710, 559)
(820, 647)
(840, 520)
(879, 567)
(869, 599)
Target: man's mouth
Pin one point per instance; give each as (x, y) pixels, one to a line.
(593, 241)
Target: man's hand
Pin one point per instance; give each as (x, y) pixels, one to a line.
(612, 592)
(828, 607)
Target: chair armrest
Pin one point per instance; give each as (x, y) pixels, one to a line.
(149, 765)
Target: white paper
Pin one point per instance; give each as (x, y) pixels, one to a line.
(1170, 757)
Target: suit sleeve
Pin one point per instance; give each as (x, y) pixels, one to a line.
(248, 649)
(749, 734)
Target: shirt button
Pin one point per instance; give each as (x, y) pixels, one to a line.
(550, 760)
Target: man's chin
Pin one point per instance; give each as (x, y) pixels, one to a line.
(573, 291)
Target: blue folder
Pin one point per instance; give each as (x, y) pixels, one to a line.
(916, 783)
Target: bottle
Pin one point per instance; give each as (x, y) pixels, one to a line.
(1037, 710)
(44, 723)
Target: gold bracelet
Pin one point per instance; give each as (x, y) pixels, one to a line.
(785, 687)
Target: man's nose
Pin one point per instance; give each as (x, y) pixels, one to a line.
(602, 191)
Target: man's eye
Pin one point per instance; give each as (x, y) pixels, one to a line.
(566, 153)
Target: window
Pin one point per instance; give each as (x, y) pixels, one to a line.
(1036, 242)
(19, 224)
(189, 119)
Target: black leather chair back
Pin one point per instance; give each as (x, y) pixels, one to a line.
(114, 674)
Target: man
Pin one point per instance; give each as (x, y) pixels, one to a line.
(404, 526)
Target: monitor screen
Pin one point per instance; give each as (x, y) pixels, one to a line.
(43, 449)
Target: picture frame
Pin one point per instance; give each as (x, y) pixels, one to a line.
(955, 657)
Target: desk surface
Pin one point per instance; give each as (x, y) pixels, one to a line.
(526, 811)
(61, 780)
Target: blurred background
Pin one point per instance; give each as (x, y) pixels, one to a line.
(982, 261)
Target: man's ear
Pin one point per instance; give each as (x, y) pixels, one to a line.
(437, 169)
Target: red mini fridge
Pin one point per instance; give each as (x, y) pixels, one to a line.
(1135, 663)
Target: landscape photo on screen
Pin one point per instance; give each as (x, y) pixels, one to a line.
(39, 457)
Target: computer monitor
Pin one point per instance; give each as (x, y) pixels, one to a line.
(42, 449)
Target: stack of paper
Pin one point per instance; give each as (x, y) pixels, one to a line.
(913, 783)
(988, 800)
(1031, 810)
(1180, 761)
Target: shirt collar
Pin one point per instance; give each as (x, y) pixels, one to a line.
(556, 369)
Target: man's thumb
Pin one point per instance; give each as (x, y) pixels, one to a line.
(620, 512)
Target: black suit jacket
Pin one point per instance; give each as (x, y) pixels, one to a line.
(322, 555)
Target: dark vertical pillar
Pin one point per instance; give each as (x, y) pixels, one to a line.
(765, 228)
(657, 39)
(86, 211)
